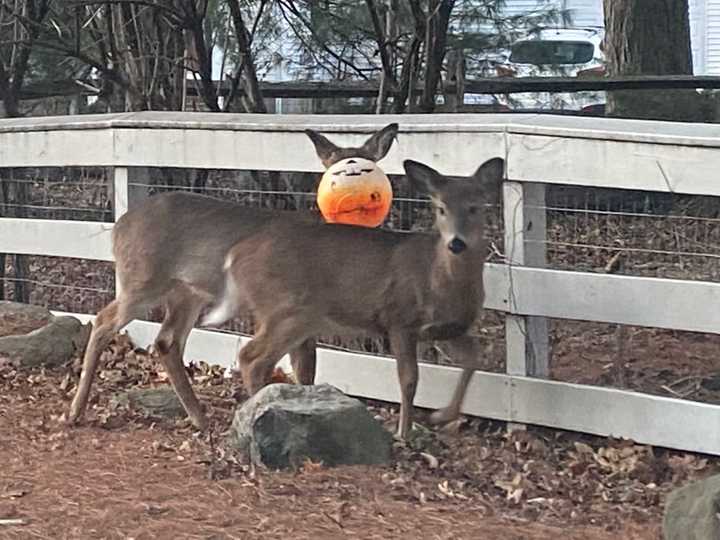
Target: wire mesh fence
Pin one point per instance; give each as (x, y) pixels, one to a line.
(593, 230)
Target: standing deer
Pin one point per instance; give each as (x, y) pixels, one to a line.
(170, 250)
(299, 280)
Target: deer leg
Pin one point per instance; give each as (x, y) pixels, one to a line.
(110, 320)
(277, 335)
(249, 354)
(404, 347)
(182, 311)
(303, 359)
(466, 350)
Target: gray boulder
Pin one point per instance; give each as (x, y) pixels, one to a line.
(53, 342)
(284, 424)
(691, 512)
(17, 318)
(162, 401)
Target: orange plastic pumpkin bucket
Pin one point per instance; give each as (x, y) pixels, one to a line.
(355, 191)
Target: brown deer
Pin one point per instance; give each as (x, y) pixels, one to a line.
(170, 250)
(301, 280)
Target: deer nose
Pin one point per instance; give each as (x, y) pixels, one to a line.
(456, 245)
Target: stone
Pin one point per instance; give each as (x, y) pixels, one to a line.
(283, 425)
(691, 512)
(161, 401)
(53, 342)
(17, 318)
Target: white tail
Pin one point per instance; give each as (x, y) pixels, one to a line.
(170, 250)
(228, 306)
(301, 280)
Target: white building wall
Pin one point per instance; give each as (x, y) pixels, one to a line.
(585, 13)
(710, 26)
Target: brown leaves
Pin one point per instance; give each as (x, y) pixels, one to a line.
(279, 376)
(310, 467)
(537, 474)
(513, 489)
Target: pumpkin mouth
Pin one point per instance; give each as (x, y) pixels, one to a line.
(365, 209)
(354, 202)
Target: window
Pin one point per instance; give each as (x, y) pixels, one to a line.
(540, 52)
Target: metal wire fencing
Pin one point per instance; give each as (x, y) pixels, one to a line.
(593, 230)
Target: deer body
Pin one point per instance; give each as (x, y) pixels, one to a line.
(300, 280)
(355, 280)
(152, 255)
(169, 251)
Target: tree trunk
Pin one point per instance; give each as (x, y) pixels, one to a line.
(253, 95)
(647, 37)
(435, 48)
(650, 37)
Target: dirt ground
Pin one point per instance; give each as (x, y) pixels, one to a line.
(123, 475)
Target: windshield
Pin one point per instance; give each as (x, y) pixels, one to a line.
(551, 52)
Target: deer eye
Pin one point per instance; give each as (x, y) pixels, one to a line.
(473, 210)
(441, 210)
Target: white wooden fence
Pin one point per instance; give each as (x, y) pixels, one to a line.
(653, 156)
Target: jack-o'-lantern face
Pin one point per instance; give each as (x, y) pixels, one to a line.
(355, 191)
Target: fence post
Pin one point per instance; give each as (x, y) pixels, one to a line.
(524, 216)
(125, 194)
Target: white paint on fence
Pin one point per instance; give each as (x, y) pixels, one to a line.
(81, 239)
(660, 421)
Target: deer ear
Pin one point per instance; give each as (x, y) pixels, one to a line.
(323, 147)
(423, 178)
(377, 146)
(489, 178)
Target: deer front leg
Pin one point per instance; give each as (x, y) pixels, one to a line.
(304, 359)
(279, 333)
(466, 350)
(404, 347)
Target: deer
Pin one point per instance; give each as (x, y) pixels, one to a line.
(169, 252)
(302, 280)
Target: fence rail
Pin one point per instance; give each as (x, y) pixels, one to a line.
(624, 154)
(370, 89)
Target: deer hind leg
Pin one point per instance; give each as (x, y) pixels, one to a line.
(404, 348)
(110, 320)
(466, 350)
(277, 335)
(182, 310)
(303, 359)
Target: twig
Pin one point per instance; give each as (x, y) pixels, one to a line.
(13, 522)
(681, 395)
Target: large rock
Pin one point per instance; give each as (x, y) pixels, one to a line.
(162, 401)
(691, 512)
(17, 318)
(32, 336)
(283, 425)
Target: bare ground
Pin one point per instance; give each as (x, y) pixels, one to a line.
(122, 475)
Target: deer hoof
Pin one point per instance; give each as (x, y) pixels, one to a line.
(444, 416)
(201, 423)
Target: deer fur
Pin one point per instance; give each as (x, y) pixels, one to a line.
(169, 252)
(300, 280)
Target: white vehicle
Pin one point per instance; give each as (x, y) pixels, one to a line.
(561, 52)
